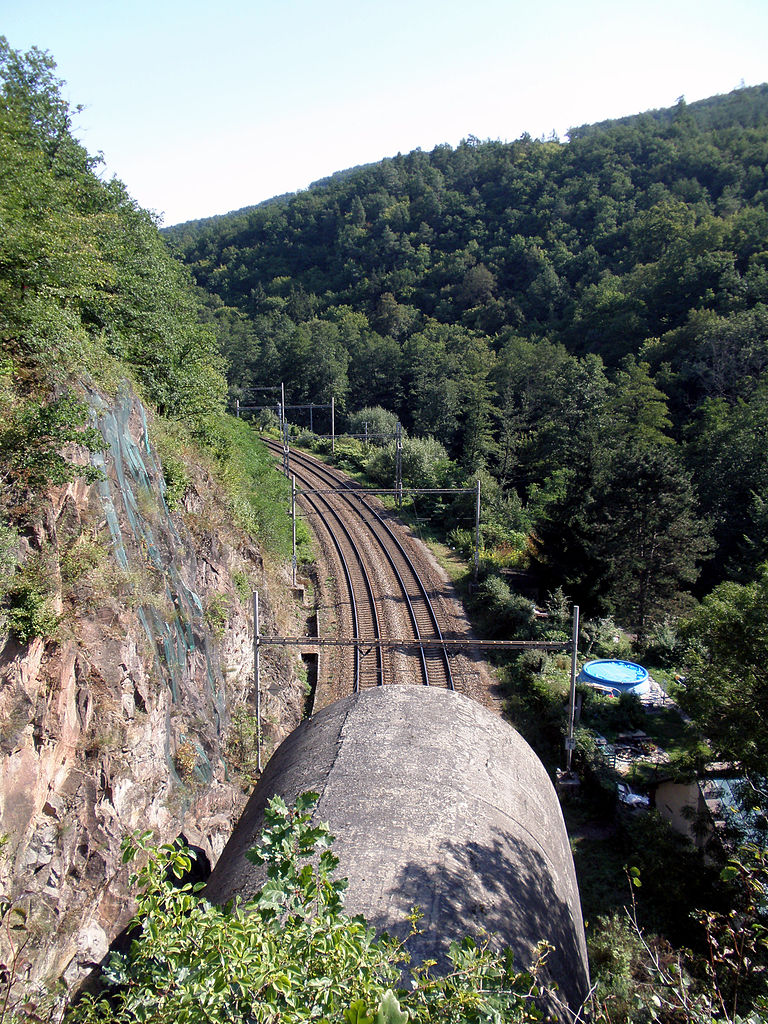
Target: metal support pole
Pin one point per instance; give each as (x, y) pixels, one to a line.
(257, 675)
(570, 742)
(286, 450)
(477, 530)
(399, 465)
(366, 431)
(237, 407)
(293, 519)
(311, 418)
(282, 403)
(333, 425)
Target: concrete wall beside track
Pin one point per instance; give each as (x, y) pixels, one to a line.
(436, 802)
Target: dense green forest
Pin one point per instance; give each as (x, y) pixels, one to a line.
(583, 325)
(587, 320)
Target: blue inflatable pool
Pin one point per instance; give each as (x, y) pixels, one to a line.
(624, 676)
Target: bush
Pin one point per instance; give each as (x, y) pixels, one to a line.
(623, 985)
(604, 639)
(290, 954)
(505, 613)
(29, 613)
(31, 440)
(377, 421)
(661, 646)
(425, 463)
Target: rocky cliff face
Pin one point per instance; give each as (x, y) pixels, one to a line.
(138, 712)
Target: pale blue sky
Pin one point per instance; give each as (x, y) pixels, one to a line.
(201, 108)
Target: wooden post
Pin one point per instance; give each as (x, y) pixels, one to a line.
(569, 741)
(257, 675)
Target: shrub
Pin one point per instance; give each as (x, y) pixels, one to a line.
(217, 614)
(31, 440)
(291, 954)
(185, 760)
(425, 463)
(661, 646)
(29, 613)
(377, 421)
(505, 613)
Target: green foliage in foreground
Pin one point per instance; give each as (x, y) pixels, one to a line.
(638, 978)
(290, 954)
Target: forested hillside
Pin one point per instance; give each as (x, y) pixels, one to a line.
(135, 520)
(586, 319)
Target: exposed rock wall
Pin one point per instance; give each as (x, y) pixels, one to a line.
(124, 719)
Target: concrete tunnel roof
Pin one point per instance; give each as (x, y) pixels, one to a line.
(434, 801)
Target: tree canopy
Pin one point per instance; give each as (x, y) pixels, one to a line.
(538, 307)
(726, 688)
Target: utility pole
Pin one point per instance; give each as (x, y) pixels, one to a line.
(293, 520)
(286, 450)
(399, 465)
(237, 407)
(333, 425)
(257, 675)
(570, 743)
(477, 530)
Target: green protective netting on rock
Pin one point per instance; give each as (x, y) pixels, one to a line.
(132, 494)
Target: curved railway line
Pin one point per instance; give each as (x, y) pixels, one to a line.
(383, 594)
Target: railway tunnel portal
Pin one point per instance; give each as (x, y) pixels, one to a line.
(437, 802)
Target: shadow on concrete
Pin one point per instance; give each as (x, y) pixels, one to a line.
(503, 888)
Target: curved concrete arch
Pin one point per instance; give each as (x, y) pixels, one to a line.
(437, 802)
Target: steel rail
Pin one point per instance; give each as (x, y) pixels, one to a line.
(312, 466)
(357, 492)
(352, 598)
(348, 490)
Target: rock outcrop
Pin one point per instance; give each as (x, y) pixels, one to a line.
(136, 713)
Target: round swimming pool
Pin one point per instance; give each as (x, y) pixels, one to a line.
(624, 676)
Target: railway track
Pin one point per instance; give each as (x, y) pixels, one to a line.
(385, 596)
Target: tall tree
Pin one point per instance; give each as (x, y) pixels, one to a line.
(646, 534)
(638, 410)
(726, 686)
